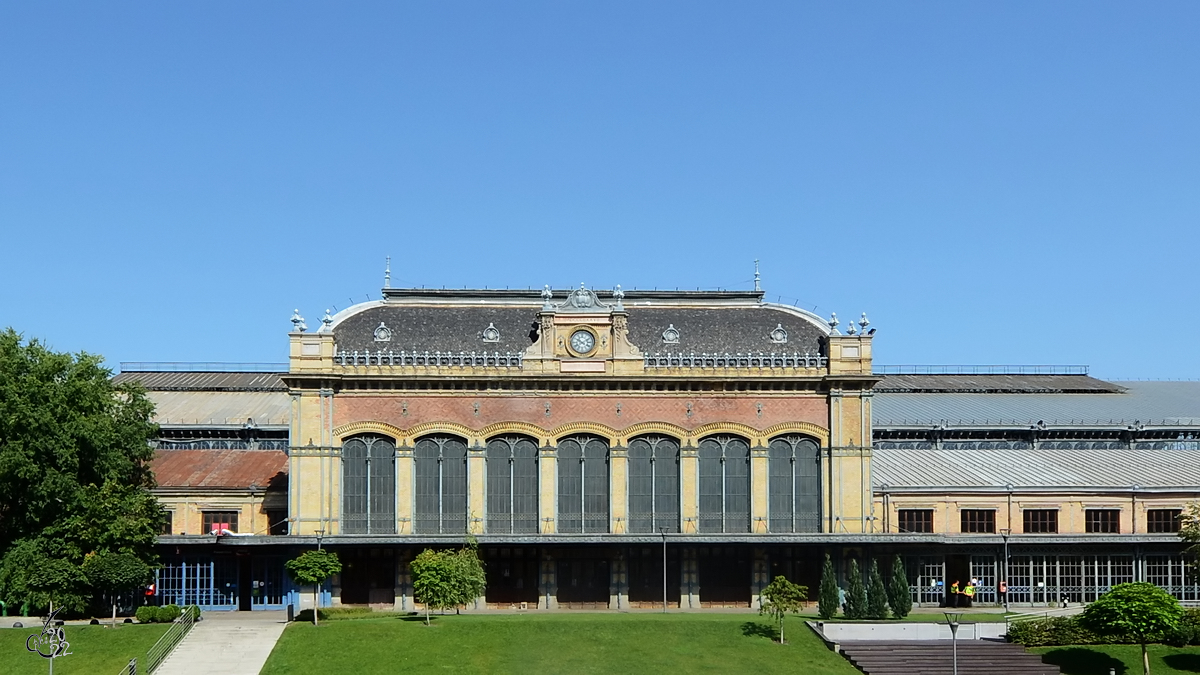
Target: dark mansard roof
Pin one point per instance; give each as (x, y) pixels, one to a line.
(706, 321)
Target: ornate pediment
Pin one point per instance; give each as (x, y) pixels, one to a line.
(582, 300)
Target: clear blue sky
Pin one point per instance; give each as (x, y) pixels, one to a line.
(1011, 182)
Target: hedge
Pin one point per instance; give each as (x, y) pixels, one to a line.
(1067, 630)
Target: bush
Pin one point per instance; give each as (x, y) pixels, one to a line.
(146, 614)
(1059, 630)
(1187, 632)
(194, 611)
(167, 613)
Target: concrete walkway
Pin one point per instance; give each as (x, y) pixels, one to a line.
(226, 643)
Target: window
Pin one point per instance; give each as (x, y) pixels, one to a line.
(168, 521)
(218, 521)
(512, 485)
(1163, 520)
(794, 468)
(369, 486)
(277, 522)
(978, 520)
(653, 484)
(582, 484)
(1040, 521)
(1102, 520)
(724, 484)
(916, 520)
(441, 468)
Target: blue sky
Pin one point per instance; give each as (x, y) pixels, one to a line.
(1013, 183)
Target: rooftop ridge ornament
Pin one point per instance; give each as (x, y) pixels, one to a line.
(298, 325)
(851, 330)
(547, 299)
(757, 277)
(581, 299)
(387, 273)
(619, 296)
(833, 324)
(326, 322)
(864, 322)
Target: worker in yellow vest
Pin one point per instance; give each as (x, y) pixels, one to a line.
(952, 598)
(968, 593)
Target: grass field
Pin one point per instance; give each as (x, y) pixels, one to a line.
(559, 643)
(95, 650)
(1126, 659)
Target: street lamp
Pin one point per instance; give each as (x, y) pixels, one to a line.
(663, 531)
(952, 619)
(320, 533)
(1004, 532)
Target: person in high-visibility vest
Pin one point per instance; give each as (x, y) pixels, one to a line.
(952, 598)
(968, 594)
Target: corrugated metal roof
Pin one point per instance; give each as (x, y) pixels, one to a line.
(900, 468)
(220, 468)
(207, 381)
(209, 408)
(987, 383)
(1151, 403)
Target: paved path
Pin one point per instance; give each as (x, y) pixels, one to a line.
(226, 643)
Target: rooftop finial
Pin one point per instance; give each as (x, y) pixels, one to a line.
(298, 322)
(619, 296)
(864, 322)
(326, 322)
(387, 273)
(547, 298)
(757, 276)
(833, 324)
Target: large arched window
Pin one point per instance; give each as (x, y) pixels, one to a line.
(724, 484)
(441, 467)
(512, 485)
(794, 484)
(653, 484)
(582, 484)
(368, 485)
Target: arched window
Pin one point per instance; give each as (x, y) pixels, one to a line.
(794, 484)
(512, 485)
(653, 484)
(582, 484)
(441, 468)
(724, 484)
(368, 485)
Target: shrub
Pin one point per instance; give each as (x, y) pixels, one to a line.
(856, 593)
(827, 597)
(167, 613)
(1059, 630)
(146, 614)
(194, 611)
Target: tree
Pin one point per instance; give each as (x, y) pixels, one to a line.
(435, 580)
(877, 607)
(1139, 610)
(827, 596)
(74, 471)
(1189, 532)
(780, 597)
(470, 580)
(115, 573)
(856, 595)
(899, 596)
(312, 568)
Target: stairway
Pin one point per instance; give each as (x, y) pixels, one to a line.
(936, 657)
(226, 643)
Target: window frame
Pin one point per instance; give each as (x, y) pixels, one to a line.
(208, 521)
(903, 517)
(969, 522)
(1102, 521)
(1047, 526)
(1158, 526)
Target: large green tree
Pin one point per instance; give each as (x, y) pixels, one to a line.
(856, 593)
(899, 596)
(1139, 610)
(74, 472)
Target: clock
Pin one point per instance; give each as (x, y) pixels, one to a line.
(582, 341)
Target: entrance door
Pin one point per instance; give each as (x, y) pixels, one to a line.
(958, 568)
(368, 576)
(244, 584)
(725, 576)
(583, 580)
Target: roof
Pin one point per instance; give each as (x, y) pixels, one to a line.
(996, 384)
(217, 408)
(1146, 403)
(455, 321)
(908, 468)
(204, 381)
(220, 468)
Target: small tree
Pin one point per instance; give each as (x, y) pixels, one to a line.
(856, 595)
(899, 597)
(469, 578)
(1139, 610)
(312, 568)
(827, 596)
(780, 597)
(115, 573)
(877, 607)
(436, 581)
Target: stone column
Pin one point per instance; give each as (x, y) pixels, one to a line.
(548, 587)
(618, 585)
(476, 489)
(548, 496)
(618, 490)
(689, 568)
(404, 489)
(689, 490)
(759, 506)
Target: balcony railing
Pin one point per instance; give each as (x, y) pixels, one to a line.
(727, 360)
(429, 359)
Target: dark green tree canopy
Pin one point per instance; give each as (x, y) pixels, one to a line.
(74, 471)
(313, 567)
(1140, 610)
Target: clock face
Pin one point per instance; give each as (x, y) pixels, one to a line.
(582, 341)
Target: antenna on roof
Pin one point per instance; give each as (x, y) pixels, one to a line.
(387, 273)
(757, 276)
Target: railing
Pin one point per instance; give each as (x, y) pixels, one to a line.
(727, 360)
(130, 669)
(1044, 614)
(427, 358)
(200, 367)
(170, 639)
(979, 370)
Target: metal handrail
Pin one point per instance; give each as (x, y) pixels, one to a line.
(166, 644)
(1044, 614)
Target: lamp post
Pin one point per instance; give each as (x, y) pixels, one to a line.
(952, 619)
(320, 533)
(663, 531)
(1004, 532)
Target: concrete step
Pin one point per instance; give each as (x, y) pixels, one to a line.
(936, 657)
(226, 643)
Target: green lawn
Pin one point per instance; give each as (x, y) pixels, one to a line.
(1127, 659)
(558, 643)
(95, 650)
